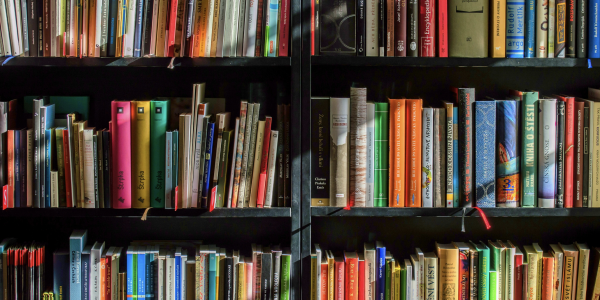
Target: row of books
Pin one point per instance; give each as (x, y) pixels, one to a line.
(455, 28)
(139, 163)
(144, 28)
(167, 270)
(466, 271)
(526, 151)
(22, 271)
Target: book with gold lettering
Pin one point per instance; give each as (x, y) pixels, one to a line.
(413, 152)
(397, 156)
(448, 272)
(531, 257)
(351, 259)
(571, 256)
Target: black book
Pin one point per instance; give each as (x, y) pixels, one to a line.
(319, 149)
(229, 278)
(465, 99)
(560, 150)
(582, 24)
(147, 27)
(570, 30)
(381, 28)
(287, 200)
(188, 30)
(39, 13)
(412, 36)
(337, 27)
(266, 274)
(586, 158)
(32, 27)
(361, 28)
(113, 10)
(85, 272)
(107, 163)
(280, 159)
(96, 171)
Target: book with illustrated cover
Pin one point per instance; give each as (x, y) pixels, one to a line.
(427, 184)
(485, 154)
(508, 153)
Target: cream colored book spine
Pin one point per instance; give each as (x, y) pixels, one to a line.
(257, 162)
(54, 188)
(339, 151)
(271, 166)
(88, 168)
(582, 271)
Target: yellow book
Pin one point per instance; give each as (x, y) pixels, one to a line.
(91, 46)
(241, 281)
(81, 183)
(313, 275)
(540, 264)
(330, 275)
(121, 9)
(498, 28)
(448, 270)
(531, 259)
(140, 148)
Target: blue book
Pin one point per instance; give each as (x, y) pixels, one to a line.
(530, 28)
(210, 130)
(130, 268)
(485, 154)
(508, 157)
(178, 273)
(17, 165)
(85, 272)
(60, 269)
(137, 42)
(455, 160)
(77, 241)
(48, 166)
(141, 272)
(46, 122)
(593, 36)
(212, 273)
(380, 276)
(271, 29)
(515, 28)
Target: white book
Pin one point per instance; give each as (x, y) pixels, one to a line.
(247, 135)
(211, 13)
(99, 19)
(4, 29)
(24, 29)
(421, 278)
(271, 166)
(128, 37)
(235, 18)
(170, 275)
(427, 157)
(370, 271)
(19, 22)
(414, 259)
(54, 188)
(184, 163)
(370, 191)
(372, 28)
(60, 19)
(88, 167)
(409, 278)
(558, 254)
(160, 276)
(509, 279)
(258, 149)
(95, 256)
(198, 157)
(319, 258)
(1, 44)
(239, 52)
(232, 162)
(182, 274)
(114, 271)
(249, 42)
(222, 12)
(227, 29)
(547, 153)
(14, 30)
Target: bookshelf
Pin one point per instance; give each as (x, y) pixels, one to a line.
(156, 62)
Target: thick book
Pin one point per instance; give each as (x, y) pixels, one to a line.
(561, 30)
(397, 153)
(464, 260)
(427, 28)
(571, 260)
(245, 155)
(465, 98)
(337, 27)
(222, 177)
(468, 28)
(449, 269)
(259, 181)
(529, 146)
(358, 146)
(159, 118)
(515, 29)
(427, 153)
(413, 152)
(485, 152)
(121, 149)
(140, 146)
(508, 153)
(484, 269)
(569, 150)
(339, 151)
(570, 29)
(239, 150)
(547, 153)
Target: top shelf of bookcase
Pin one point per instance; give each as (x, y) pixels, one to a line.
(157, 62)
(452, 212)
(276, 212)
(452, 62)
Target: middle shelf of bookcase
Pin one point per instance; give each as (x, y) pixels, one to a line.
(452, 212)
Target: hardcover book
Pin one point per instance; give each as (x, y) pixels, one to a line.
(439, 159)
(485, 154)
(508, 159)
(450, 170)
(541, 29)
(515, 29)
(593, 35)
(498, 29)
(529, 146)
(372, 15)
(400, 22)
(412, 29)
(337, 27)
(358, 146)
(159, 118)
(449, 270)
(465, 99)
(561, 32)
(370, 191)
(397, 155)
(339, 148)
(468, 29)
(427, 28)
(140, 146)
(413, 152)
(560, 153)
(578, 154)
(121, 149)
(547, 153)
(529, 9)
(381, 154)
(427, 150)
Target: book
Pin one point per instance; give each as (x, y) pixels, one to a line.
(379, 271)
(531, 260)
(571, 259)
(558, 255)
(389, 26)
(370, 271)
(465, 99)
(336, 36)
(561, 33)
(358, 146)
(381, 149)
(397, 153)
(485, 152)
(449, 269)
(468, 31)
(221, 125)
(529, 146)
(412, 34)
(413, 152)
(560, 151)
(271, 166)
(87, 140)
(593, 38)
(473, 291)
(239, 152)
(370, 160)
(159, 118)
(222, 178)
(570, 29)
(515, 29)
(582, 270)
(551, 27)
(120, 142)
(463, 269)
(77, 241)
(508, 153)
(594, 278)
(400, 22)
(427, 29)
(339, 148)
(484, 270)
(569, 140)
(207, 164)
(541, 29)
(578, 151)
(259, 181)
(498, 264)
(140, 162)
(547, 154)
(529, 28)
(439, 157)
(351, 268)
(251, 154)
(427, 152)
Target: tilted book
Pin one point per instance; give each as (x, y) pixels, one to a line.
(485, 154)
(251, 155)
(261, 187)
(358, 146)
(508, 153)
(339, 151)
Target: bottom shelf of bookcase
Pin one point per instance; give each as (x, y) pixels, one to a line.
(452, 212)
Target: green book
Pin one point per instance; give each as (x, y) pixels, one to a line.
(159, 118)
(63, 105)
(494, 284)
(403, 281)
(497, 261)
(484, 270)
(286, 269)
(540, 264)
(389, 264)
(60, 159)
(381, 154)
(223, 167)
(529, 151)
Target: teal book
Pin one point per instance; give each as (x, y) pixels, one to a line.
(63, 105)
(382, 111)
(159, 118)
(175, 171)
(77, 241)
(529, 149)
(212, 273)
(484, 270)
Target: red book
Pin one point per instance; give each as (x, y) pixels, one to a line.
(13, 114)
(121, 153)
(340, 275)
(518, 275)
(108, 277)
(262, 181)
(324, 287)
(361, 276)
(569, 141)
(284, 28)
(400, 27)
(351, 275)
(442, 26)
(259, 29)
(312, 26)
(10, 148)
(67, 160)
(172, 28)
(427, 28)
(547, 276)
(578, 153)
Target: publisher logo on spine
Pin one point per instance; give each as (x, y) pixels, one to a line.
(340, 121)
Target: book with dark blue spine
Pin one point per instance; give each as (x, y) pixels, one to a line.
(107, 165)
(149, 273)
(485, 154)
(210, 130)
(46, 122)
(17, 167)
(113, 12)
(137, 41)
(212, 273)
(130, 279)
(515, 28)
(60, 268)
(455, 160)
(593, 35)
(530, 28)
(141, 272)
(380, 276)
(85, 271)
(77, 241)
(178, 273)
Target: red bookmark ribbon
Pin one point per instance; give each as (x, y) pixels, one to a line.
(484, 218)
(213, 194)
(176, 196)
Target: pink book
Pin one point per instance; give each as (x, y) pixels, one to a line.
(284, 28)
(262, 179)
(443, 28)
(249, 279)
(121, 153)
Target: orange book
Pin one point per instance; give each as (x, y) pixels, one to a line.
(414, 110)
(10, 148)
(351, 275)
(397, 157)
(324, 282)
(548, 276)
(91, 36)
(103, 278)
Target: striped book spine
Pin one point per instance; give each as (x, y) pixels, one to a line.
(485, 141)
(381, 154)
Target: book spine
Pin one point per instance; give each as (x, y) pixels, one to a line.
(594, 200)
(61, 167)
(485, 154)
(111, 42)
(400, 27)
(498, 30)
(372, 13)
(397, 153)
(370, 190)
(251, 157)
(582, 274)
(380, 276)
(508, 154)
(455, 170)
(473, 274)
(586, 190)
(29, 165)
(138, 33)
(547, 155)
(578, 152)
(381, 32)
(272, 165)
(465, 130)
(439, 146)
(338, 165)
(284, 28)
(442, 25)
(158, 128)
(223, 167)
(146, 39)
(259, 182)
(530, 28)
(361, 28)
(427, 158)
(560, 153)
(381, 155)
(280, 155)
(250, 30)
(569, 162)
(427, 28)
(121, 149)
(529, 149)
(413, 153)
(140, 145)
(389, 22)
(541, 27)
(561, 32)
(358, 146)
(581, 27)
(209, 149)
(245, 156)
(551, 27)
(449, 155)
(413, 42)
(239, 153)
(515, 20)
(484, 275)
(593, 36)
(547, 284)
(571, 30)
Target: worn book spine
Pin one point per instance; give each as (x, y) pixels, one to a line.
(485, 152)
(560, 153)
(427, 150)
(439, 158)
(569, 162)
(578, 155)
(427, 28)
(547, 153)
(372, 13)
(515, 29)
(319, 151)
(530, 28)
(465, 97)
(361, 28)
(358, 146)
(339, 150)
(529, 151)
(413, 28)
(251, 154)
(586, 157)
(413, 152)
(541, 29)
(397, 152)
(239, 153)
(561, 19)
(570, 29)
(582, 273)
(551, 27)
(246, 155)
(508, 156)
